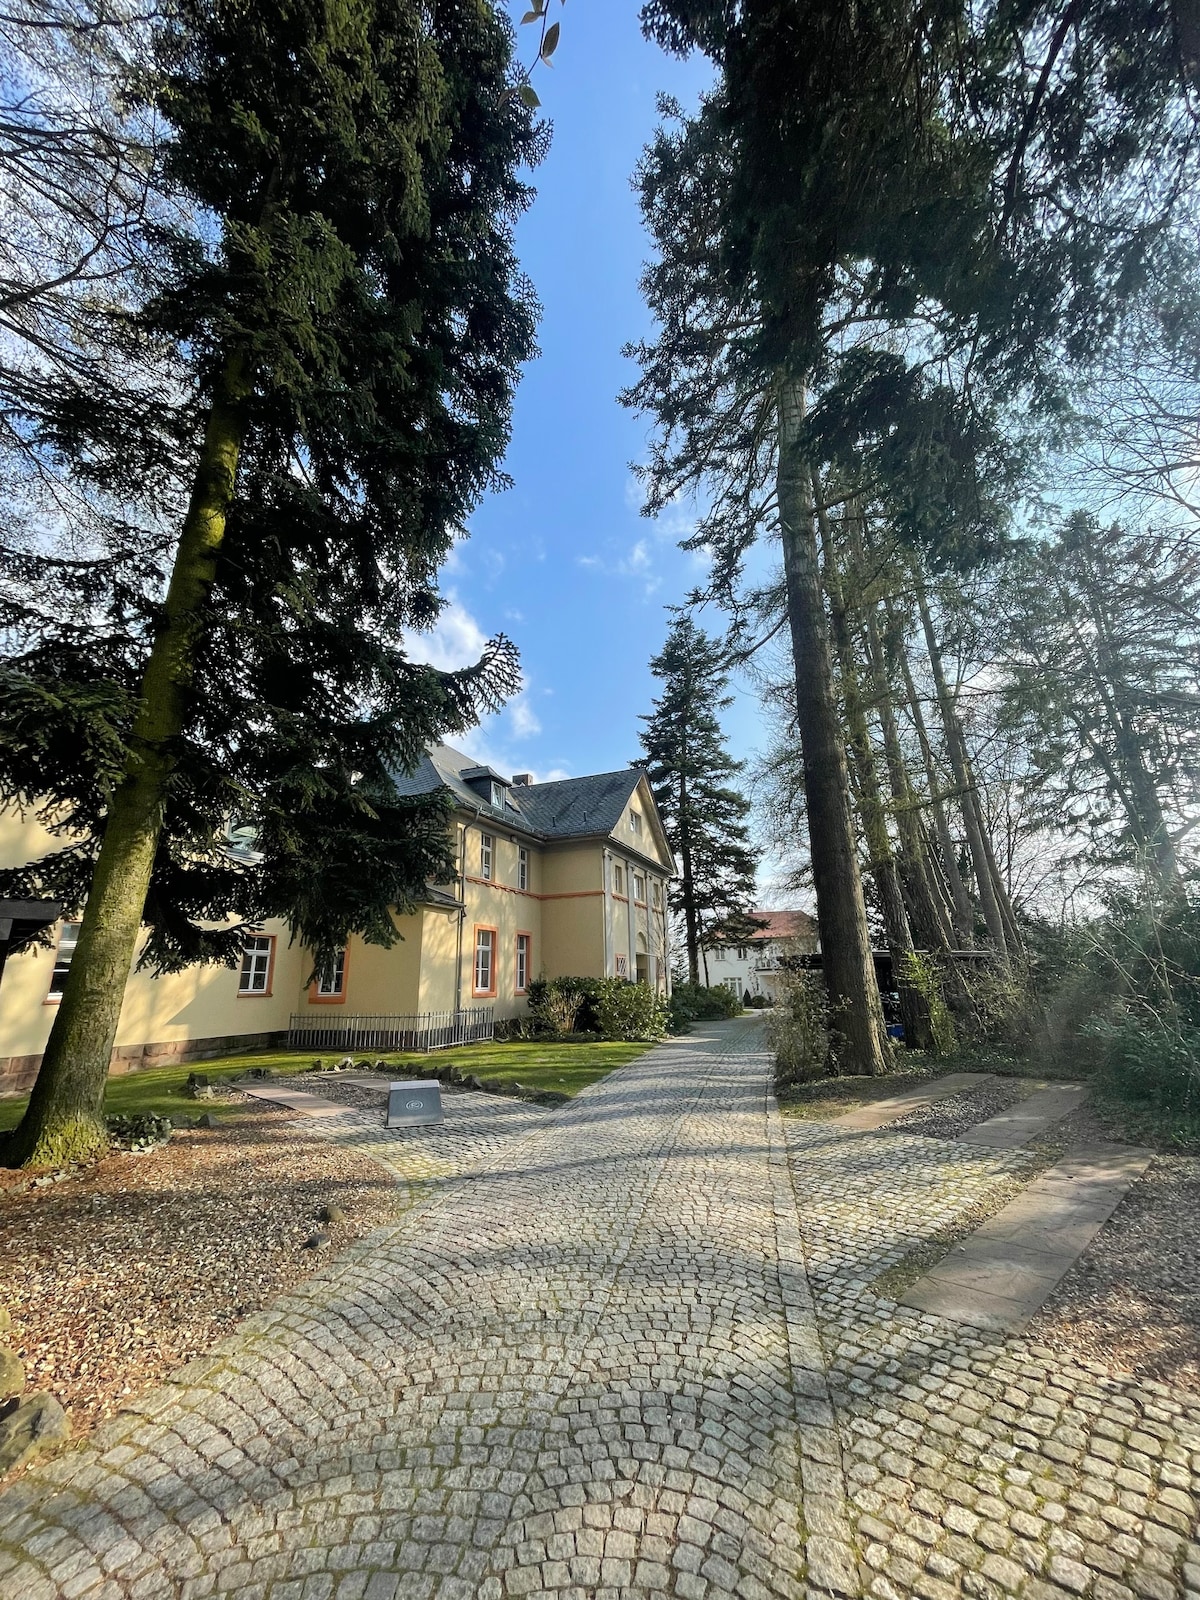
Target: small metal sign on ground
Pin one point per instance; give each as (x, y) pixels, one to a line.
(414, 1105)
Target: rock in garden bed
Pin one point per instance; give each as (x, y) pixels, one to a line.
(143, 1261)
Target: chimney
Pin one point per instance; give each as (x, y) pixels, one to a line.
(522, 780)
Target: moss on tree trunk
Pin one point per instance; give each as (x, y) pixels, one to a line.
(64, 1120)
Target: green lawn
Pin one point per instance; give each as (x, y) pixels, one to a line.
(564, 1067)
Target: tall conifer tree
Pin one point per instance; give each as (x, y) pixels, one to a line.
(346, 319)
(690, 770)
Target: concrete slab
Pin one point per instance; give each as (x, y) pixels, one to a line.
(880, 1112)
(1028, 1118)
(295, 1101)
(1007, 1269)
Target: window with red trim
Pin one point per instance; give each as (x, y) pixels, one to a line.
(485, 961)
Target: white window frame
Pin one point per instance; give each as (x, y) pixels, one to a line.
(524, 951)
(487, 857)
(635, 820)
(618, 878)
(68, 938)
(639, 888)
(258, 958)
(522, 867)
(622, 966)
(485, 947)
(332, 985)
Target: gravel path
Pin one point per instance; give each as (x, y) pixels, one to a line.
(951, 1118)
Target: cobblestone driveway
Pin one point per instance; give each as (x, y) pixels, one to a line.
(587, 1363)
(587, 1368)
(980, 1465)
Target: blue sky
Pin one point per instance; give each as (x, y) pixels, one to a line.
(563, 562)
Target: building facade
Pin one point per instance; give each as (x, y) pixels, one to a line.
(754, 966)
(552, 879)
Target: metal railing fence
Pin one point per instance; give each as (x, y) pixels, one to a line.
(426, 1030)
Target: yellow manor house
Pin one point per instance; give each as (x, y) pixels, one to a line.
(552, 879)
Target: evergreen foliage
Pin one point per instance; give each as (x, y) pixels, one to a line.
(690, 772)
(348, 320)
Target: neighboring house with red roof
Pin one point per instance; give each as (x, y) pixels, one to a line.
(753, 967)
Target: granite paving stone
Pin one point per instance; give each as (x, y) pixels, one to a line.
(584, 1362)
(979, 1463)
(1028, 1118)
(631, 1347)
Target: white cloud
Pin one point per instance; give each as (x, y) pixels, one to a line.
(637, 563)
(523, 719)
(458, 641)
(455, 641)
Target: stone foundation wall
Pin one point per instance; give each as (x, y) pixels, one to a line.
(17, 1073)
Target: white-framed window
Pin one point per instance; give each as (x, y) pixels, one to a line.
(68, 938)
(331, 984)
(522, 867)
(622, 966)
(258, 956)
(618, 878)
(635, 820)
(656, 893)
(485, 960)
(524, 950)
(639, 886)
(741, 952)
(487, 855)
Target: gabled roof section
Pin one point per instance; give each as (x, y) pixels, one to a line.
(442, 767)
(781, 925)
(572, 807)
(569, 808)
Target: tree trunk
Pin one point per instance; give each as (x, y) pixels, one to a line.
(956, 748)
(687, 887)
(962, 912)
(856, 1017)
(926, 913)
(64, 1120)
(1147, 822)
(881, 859)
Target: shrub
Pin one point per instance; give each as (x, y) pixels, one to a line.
(680, 1015)
(798, 1029)
(600, 1008)
(756, 1002)
(707, 1005)
(563, 1005)
(629, 1010)
(1149, 1062)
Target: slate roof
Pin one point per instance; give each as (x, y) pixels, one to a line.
(569, 808)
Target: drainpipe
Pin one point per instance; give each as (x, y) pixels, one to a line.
(605, 876)
(462, 911)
